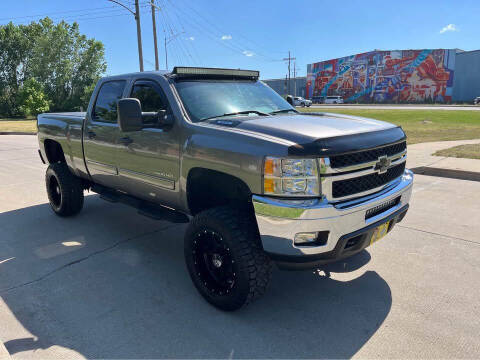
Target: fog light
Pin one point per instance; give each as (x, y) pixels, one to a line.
(307, 238)
(317, 238)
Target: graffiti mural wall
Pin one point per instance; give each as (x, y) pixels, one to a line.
(403, 76)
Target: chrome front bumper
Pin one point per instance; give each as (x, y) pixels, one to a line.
(279, 220)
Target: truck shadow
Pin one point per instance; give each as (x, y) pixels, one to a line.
(112, 284)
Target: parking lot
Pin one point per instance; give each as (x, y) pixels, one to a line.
(110, 283)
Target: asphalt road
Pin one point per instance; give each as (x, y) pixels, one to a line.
(397, 107)
(110, 283)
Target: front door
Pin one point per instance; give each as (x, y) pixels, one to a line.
(101, 134)
(149, 160)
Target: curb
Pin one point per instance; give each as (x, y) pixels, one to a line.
(16, 133)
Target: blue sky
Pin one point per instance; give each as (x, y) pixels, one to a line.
(258, 34)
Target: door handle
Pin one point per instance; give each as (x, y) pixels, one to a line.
(126, 140)
(91, 134)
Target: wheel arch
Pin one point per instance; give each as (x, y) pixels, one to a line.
(53, 151)
(207, 188)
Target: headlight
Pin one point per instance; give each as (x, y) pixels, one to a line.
(291, 177)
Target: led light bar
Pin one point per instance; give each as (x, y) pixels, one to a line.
(202, 72)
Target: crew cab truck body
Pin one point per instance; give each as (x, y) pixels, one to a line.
(258, 182)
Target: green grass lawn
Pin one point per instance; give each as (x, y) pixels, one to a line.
(18, 125)
(423, 125)
(420, 125)
(470, 151)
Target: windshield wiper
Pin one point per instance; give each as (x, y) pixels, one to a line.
(261, 113)
(282, 111)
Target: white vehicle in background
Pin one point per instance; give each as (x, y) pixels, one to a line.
(333, 100)
(476, 101)
(300, 101)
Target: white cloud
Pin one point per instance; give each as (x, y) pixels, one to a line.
(191, 38)
(227, 37)
(449, 27)
(248, 53)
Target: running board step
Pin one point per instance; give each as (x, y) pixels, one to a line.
(145, 208)
(162, 213)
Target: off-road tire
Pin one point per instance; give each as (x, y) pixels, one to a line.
(252, 267)
(65, 191)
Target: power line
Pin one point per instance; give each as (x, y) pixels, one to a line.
(191, 44)
(193, 22)
(86, 16)
(136, 14)
(215, 29)
(57, 12)
(178, 45)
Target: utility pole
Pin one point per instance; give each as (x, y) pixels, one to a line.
(139, 35)
(294, 78)
(136, 14)
(154, 35)
(289, 59)
(166, 55)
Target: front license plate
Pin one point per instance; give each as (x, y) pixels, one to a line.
(379, 232)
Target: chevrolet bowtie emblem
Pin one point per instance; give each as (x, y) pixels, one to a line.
(382, 164)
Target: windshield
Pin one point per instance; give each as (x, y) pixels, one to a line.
(207, 99)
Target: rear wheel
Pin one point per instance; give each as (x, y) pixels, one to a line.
(224, 258)
(65, 191)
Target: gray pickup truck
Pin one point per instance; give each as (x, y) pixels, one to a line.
(258, 182)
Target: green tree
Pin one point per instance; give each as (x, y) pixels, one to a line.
(87, 94)
(65, 63)
(32, 99)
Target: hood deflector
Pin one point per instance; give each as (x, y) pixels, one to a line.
(348, 143)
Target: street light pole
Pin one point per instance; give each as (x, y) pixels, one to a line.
(136, 14)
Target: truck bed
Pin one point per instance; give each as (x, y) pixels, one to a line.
(66, 129)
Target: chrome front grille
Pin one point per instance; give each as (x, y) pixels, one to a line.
(366, 156)
(342, 188)
(345, 182)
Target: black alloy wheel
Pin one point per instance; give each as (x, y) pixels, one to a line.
(213, 262)
(225, 259)
(64, 190)
(54, 191)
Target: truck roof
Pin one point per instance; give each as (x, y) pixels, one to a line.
(155, 72)
(195, 72)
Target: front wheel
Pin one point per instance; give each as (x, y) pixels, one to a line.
(64, 190)
(225, 261)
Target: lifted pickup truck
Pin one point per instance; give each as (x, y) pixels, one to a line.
(258, 182)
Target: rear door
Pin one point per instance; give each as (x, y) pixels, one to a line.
(101, 133)
(149, 160)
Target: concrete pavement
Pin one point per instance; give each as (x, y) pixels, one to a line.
(110, 283)
(421, 155)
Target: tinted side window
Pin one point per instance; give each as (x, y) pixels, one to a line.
(106, 104)
(150, 97)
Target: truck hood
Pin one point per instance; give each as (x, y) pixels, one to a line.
(301, 128)
(320, 133)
